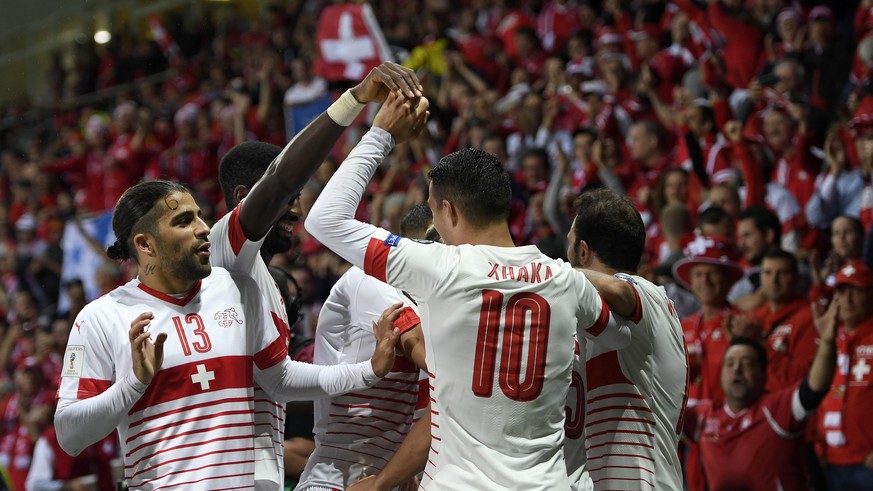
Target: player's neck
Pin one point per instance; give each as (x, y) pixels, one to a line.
(166, 283)
(496, 235)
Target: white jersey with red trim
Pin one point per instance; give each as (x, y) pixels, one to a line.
(356, 433)
(574, 427)
(193, 426)
(499, 326)
(636, 398)
(230, 249)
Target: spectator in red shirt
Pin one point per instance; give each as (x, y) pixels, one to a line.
(754, 440)
(845, 426)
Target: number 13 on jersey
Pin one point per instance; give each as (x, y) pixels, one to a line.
(525, 315)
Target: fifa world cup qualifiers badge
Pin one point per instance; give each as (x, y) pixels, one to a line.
(74, 358)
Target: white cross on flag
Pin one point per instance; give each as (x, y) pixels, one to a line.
(350, 42)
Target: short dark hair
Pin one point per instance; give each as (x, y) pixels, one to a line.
(712, 216)
(764, 220)
(136, 213)
(432, 234)
(653, 128)
(244, 165)
(416, 221)
(612, 227)
(760, 352)
(784, 255)
(475, 182)
(585, 130)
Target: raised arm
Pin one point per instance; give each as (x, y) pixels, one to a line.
(299, 160)
(332, 218)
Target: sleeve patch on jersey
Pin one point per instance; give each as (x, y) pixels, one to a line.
(272, 354)
(602, 322)
(392, 240)
(235, 232)
(376, 259)
(638, 310)
(407, 320)
(74, 360)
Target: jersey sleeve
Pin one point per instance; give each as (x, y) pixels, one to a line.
(264, 343)
(230, 248)
(88, 367)
(371, 297)
(784, 412)
(595, 321)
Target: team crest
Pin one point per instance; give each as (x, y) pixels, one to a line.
(227, 317)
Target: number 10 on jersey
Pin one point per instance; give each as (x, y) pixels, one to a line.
(525, 315)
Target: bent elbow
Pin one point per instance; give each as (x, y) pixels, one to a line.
(67, 441)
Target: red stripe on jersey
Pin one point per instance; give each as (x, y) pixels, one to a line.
(433, 411)
(150, 443)
(638, 310)
(259, 391)
(407, 320)
(186, 445)
(621, 455)
(423, 394)
(396, 391)
(183, 421)
(180, 459)
(367, 406)
(132, 486)
(170, 299)
(235, 233)
(619, 408)
(405, 402)
(602, 321)
(614, 396)
(272, 355)
(376, 259)
(431, 375)
(632, 444)
(186, 408)
(375, 427)
(368, 416)
(605, 370)
(172, 383)
(624, 479)
(398, 380)
(363, 436)
(633, 432)
(589, 424)
(434, 451)
(90, 387)
(622, 467)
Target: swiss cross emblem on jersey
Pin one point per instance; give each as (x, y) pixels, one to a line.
(227, 317)
(860, 370)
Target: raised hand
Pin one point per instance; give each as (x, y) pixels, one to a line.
(388, 78)
(147, 356)
(386, 339)
(401, 117)
(826, 324)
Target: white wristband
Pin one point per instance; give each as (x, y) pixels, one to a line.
(345, 109)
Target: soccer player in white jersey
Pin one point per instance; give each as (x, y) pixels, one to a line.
(635, 395)
(498, 320)
(183, 404)
(358, 432)
(269, 178)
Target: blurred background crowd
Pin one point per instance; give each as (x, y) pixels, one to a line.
(739, 128)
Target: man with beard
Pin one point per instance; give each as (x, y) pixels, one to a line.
(636, 394)
(754, 439)
(261, 183)
(184, 409)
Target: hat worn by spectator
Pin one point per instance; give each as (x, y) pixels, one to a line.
(864, 113)
(821, 12)
(719, 251)
(647, 31)
(855, 274)
(607, 36)
(789, 13)
(26, 223)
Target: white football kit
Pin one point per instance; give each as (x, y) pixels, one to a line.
(635, 400)
(232, 250)
(193, 425)
(499, 326)
(357, 433)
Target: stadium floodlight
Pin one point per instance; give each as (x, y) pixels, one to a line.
(102, 37)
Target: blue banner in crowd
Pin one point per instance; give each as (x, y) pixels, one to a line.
(83, 254)
(298, 116)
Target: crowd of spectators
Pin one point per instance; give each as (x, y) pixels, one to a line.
(739, 128)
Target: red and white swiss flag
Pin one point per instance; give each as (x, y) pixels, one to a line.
(350, 42)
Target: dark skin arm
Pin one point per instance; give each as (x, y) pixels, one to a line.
(268, 199)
